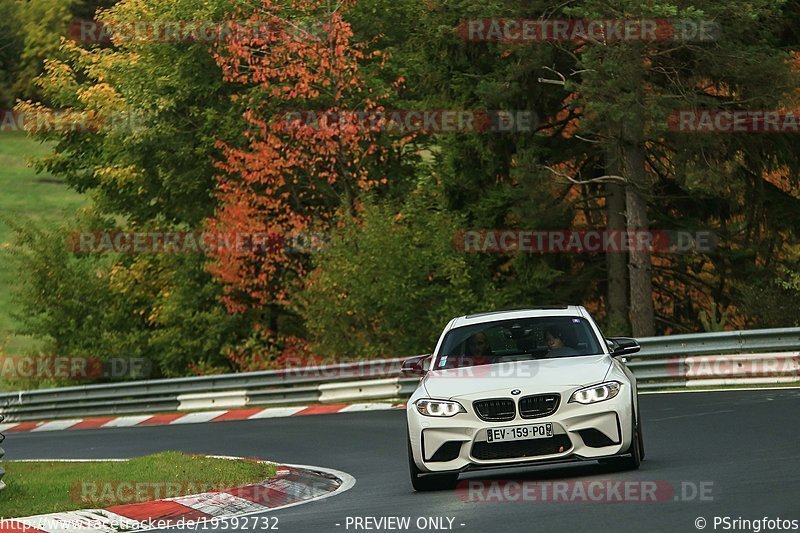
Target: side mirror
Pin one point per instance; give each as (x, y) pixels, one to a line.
(620, 346)
(415, 366)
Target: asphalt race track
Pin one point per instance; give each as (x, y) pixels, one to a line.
(744, 445)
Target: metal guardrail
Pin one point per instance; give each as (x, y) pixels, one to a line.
(270, 387)
(664, 362)
(724, 358)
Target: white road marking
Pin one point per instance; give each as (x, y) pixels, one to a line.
(356, 407)
(690, 415)
(126, 421)
(79, 521)
(219, 504)
(197, 418)
(277, 412)
(57, 425)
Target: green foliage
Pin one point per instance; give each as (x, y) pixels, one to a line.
(713, 320)
(31, 32)
(771, 299)
(68, 300)
(150, 168)
(388, 282)
(26, 199)
(10, 50)
(42, 24)
(791, 281)
(390, 277)
(162, 308)
(492, 180)
(166, 107)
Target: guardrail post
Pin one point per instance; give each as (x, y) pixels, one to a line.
(2, 453)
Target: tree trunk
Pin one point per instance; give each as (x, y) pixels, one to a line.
(642, 312)
(616, 262)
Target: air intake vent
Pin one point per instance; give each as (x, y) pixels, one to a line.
(447, 452)
(487, 451)
(595, 439)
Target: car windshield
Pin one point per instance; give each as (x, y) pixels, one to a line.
(517, 340)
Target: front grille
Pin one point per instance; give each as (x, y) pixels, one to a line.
(539, 405)
(496, 410)
(486, 451)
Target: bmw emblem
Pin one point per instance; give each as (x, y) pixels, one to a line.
(515, 392)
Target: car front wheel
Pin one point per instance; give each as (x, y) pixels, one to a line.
(429, 482)
(635, 453)
(634, 459)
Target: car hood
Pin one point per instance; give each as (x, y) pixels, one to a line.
(529, 376)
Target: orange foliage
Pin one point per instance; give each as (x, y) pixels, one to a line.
(292, 174)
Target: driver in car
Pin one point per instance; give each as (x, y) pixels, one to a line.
(555, 343)
(477, 351)
(478, 345)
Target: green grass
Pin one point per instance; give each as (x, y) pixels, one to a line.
(26, 198)
(49, 487)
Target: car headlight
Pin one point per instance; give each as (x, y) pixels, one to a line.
(439, 408)
(596, 393)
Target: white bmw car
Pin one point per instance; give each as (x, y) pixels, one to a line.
(521, 388)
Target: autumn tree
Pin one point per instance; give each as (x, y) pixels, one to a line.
(315, 137)
(149, 165)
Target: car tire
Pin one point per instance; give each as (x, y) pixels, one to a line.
(640, 439)
(633, 460)
(429, 482)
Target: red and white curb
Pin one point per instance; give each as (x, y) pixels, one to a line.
(191, 418)
(292, 485)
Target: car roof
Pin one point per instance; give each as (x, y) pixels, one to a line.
(512, 314)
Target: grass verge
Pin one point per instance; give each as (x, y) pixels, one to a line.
(49, 487)
(27, 198)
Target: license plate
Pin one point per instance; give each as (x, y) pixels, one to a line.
(531, 431)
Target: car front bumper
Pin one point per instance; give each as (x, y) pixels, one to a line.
(580, 432)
